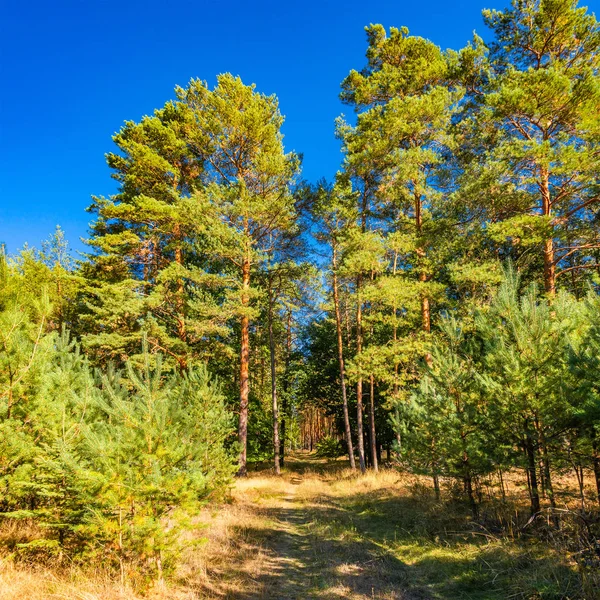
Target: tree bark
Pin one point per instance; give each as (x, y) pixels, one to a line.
(436, 486)
(398, 433)
(425, 308)
(180, 299)
(244, 367)
(372, 438)
(434, 471)
(359, 383)
(396, 370)
(468, 481)
(286, 388)
(596, 462)
(273, 383)
(578, 468)
(531, 470)
(502, 489)
(549, 265)
(340, 344)
(546, 465)
(372, 432)
(467, 476)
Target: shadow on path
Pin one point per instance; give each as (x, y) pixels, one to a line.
(318, 533)
(309, 562)
(303, 556)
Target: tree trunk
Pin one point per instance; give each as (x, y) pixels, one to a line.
(244, 365)
(180, 299)
(359, 386)
(425, 308)
(396, 370)
(434, 471)
(398, 433)
(596, 462)
(286, 388)
(372, 433)
(340, 345)
(468, 481)
(549, 264)
(466, 467)
(373, 439)
(282, 426)
(273, 383)
(546, 465)
(578, 468)
(436, 486)
(468, 484)
(502, 490)
(531, 470)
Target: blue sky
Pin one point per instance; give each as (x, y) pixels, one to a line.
(72, 72)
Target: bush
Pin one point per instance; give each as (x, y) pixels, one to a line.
(112, 466)
(161, 449)
(329, 447)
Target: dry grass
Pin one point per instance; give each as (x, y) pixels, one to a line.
(323, 531)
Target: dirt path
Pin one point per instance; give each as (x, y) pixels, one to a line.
(295, 542)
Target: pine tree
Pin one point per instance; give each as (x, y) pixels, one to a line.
(584, 362)
(151, 271)
(538, 135)
(403, 131)
(525, 345)
(235, 132)
(159, 442)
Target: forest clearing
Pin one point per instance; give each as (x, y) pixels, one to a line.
(319, 531)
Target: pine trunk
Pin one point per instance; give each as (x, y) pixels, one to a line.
(546, 465)
(244, 368)
(273, 384)
(372, 438)
(596, 462)
(288, 358)
(436, 486)
(468, 478)
(372, 433)
(434, 471)
(180, 299)
(396, 371)
(359, 386)
(340, 344)
(549, 264)
(425, 308)
(398, 434)
(531, 470)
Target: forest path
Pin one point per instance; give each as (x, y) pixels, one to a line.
(295, 541)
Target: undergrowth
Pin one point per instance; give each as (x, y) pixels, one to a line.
(374, 536)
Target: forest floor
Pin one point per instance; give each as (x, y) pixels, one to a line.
(321, 531)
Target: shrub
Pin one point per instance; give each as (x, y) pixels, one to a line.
(112, 465)
(329, 447)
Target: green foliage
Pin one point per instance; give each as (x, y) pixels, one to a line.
(329, 447)
(457, 165)
(159, 443)
(498, 394)
(110, 465)
(535, 154)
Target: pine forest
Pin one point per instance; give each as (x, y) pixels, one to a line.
(383, 385)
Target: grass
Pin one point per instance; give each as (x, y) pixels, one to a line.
(322, 531)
